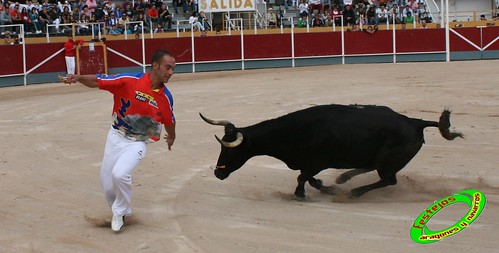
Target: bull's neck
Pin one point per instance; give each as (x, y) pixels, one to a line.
(266, 138)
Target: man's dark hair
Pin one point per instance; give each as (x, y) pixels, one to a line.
(159, 54)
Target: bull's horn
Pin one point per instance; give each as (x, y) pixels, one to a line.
(215, 122)
(233, 144)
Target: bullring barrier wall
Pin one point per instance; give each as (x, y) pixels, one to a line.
(44, 62)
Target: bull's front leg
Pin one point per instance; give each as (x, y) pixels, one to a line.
(300, 189)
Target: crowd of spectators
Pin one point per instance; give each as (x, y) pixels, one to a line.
(319, 13)
(89, 16)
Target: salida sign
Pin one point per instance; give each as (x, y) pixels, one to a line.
(226, 5)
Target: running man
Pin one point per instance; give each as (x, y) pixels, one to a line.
(142, 103)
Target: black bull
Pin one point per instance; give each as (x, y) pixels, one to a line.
(358, 137)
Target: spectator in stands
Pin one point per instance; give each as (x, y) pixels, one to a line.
(84, 27)
(5, 19)
(394, 13)
(92, 6)
(194, 22)
(114, 30)
(123, 22)
(67, 18)
(7, 40)
(409, 19)
(26, 20)
(370, 15)
(204, 21)
(16, 17)
(348, 16)
(75, 15)
(112, 20)
(193, 4)
(407, 9)
(165, 18)
(110, 5)
(336, 15)
(423, 25)
(33, 16)
(118, 12)
(381, 15)
(272, 18)
(125, 3)
(138, 27)
(317, 20)
(303, 8)
(55, 19)
(482, 17)
(315, 5)
(152, 16)
(177, 3)
(130, 12)
(44, 18)
(86, 11)
(159, 29)
(139, 7)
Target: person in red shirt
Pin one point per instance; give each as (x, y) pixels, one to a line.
(152, 16)
(70, 53)
(142, 103)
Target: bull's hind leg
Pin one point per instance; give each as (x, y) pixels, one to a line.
(345, 176)
(317, 184)
(380, 184)
(391, 162)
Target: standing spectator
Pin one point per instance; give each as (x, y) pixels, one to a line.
(70, 53)
(165, 17)
(152, 16)
(315, 5)
(272, 18)
(92, 5)
(303, 7)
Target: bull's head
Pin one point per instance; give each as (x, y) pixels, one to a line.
(234, 151)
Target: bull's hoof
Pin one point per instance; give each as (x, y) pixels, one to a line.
(301, 199)
(331, 190)
(355, 193)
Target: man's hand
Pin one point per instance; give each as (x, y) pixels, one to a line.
(169, 140)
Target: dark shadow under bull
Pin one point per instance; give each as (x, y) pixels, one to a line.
(358, 137)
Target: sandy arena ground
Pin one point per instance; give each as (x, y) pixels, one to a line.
(53, 138)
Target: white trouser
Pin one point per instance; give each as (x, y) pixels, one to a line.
(70, 64)
(121, 156)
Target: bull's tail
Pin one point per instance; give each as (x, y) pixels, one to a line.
(443, 125)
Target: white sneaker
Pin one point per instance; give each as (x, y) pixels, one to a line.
(117, 223)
